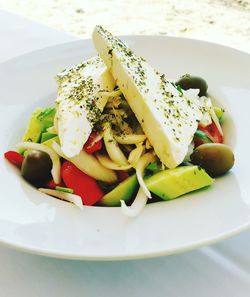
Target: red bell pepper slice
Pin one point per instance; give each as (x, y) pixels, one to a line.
(51, 184)
(212, 132)
(15, 158)
(93, 144)
(82, 184)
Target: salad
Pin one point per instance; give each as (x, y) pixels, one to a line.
(123, 134)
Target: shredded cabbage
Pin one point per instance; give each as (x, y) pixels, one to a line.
(56, 165)
(137, 206)
(89, 165)
(75, 199)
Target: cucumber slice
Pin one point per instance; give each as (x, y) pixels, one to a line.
(50, 141)
(46, 136)
(172, 183)
(124, 191)
(219, 112)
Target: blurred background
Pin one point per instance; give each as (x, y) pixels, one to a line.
(222, 21)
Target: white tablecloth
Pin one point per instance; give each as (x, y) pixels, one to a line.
(221, 270)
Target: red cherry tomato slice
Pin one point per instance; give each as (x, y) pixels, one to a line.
(93, 144)
(15, 158)
(82, 184)
(51, 184)
(212, 132)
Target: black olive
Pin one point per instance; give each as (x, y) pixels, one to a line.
(188, 81)
(36, 168)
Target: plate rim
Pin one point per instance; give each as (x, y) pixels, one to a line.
(133, 255)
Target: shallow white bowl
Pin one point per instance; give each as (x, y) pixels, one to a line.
(33, 222)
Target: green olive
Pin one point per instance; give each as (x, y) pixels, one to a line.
(215, 158)
(36, 168)
(188, 81)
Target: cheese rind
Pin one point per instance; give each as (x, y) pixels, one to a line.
(168, 115)
(79, 103)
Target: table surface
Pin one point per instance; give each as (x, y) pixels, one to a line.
(218, 270)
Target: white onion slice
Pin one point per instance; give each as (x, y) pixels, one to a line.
(89, 165)
(216, 120)
(137, 206)
(108, 163)
(75, 199)
(135, 154)
(56, 165)
(140, 167)
(112, 147)
(130, 139)
(211, 113)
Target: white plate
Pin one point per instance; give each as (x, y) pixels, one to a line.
(33, 222)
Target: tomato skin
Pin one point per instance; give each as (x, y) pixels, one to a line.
(82, 184)
(92, 145)
(212, 132)
(122, 175)
(198, 141)
(51, 184)
(14, 158)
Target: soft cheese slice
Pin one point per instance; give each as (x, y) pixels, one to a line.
(168, 116)
(79, 102)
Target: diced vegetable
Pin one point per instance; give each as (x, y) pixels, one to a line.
(124, 191)
(40, 120)
(93, 144)
(64, 189)
(82, 184)
(89, 165)
(201, 137)
(219, 112)
(46, 136)
(50, 141)
(172, 183)
(212, 132)
(15, 158)
(51, 184)
(154, 167)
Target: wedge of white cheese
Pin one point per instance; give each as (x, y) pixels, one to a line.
(168, 115)
(79, 102)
